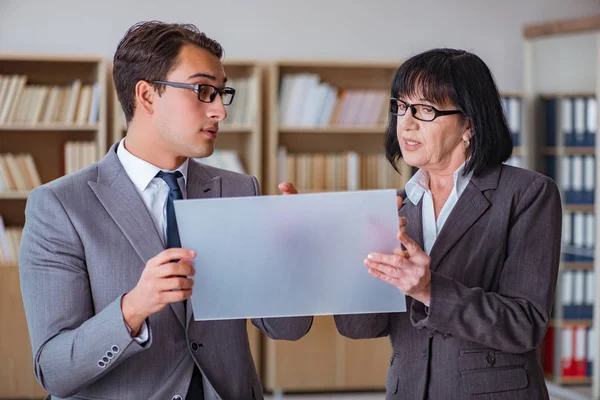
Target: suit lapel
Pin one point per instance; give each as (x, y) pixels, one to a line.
(200, 185)
(414, 228)
(470, 206)
(120, 198)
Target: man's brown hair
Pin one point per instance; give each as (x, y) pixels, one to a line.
(148, 51)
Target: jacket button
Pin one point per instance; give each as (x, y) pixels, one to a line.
(195, 347)
(424, 353)
(177, 397)
(490, 359)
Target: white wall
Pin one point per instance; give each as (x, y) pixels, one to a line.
(307, 29)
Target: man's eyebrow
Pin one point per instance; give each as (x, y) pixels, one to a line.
(207, 76)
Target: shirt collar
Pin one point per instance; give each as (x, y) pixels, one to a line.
(142, 172)
(419, 184)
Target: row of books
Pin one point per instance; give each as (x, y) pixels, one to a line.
(306, 101)
(572, 120)
(22, 103)
(224, 159)
(79, 154)
(578, 236)
(513, 110)
(577, 294)
(338, 171)
(242, 111)
(10, 239)
(18, 172)
(578, 350)
(576, 178)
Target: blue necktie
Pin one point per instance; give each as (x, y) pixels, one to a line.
(174, 194)
(195, 390)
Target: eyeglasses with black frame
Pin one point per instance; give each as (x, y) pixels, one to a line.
(422, 112)
(206, 93)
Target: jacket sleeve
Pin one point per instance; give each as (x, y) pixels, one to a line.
(363, 326)
(73, 344)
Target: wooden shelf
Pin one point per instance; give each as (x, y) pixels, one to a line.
(577, 265)
(21, 195)
(48, 127)
(585, 208)
(569, 151)
(569, 380)
(572, 322)
(335, 130)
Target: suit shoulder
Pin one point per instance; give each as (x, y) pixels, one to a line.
(75, 181)
(521, 180)
(225, 174)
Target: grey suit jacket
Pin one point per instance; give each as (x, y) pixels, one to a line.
(494, 269)
(86, 240)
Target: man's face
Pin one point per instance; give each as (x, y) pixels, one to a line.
(187, 126)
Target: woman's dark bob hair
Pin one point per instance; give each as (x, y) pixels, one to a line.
(444, 76)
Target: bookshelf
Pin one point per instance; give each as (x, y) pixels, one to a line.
(562, 80)
(46, 103)
(325, 132)
(239, 142)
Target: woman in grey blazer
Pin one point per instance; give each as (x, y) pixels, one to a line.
(481, 242)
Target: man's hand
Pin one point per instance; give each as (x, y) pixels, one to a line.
(163, 281)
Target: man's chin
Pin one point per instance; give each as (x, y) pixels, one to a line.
(202, 153)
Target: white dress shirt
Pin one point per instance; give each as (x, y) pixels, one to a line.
(418, 187)
(154, 192)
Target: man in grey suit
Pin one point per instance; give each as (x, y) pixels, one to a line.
(104, 281)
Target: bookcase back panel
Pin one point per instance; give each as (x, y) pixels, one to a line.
(348, 77)
(51, 72)
(13, 212)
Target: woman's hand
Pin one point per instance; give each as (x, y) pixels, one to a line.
(287, 188)
(408, 269)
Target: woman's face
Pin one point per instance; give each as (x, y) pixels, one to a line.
(436, 145)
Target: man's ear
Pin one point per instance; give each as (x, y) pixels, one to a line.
(145, 97)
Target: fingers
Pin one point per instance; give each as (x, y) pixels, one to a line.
(411, 246)
(402, 222)
(399, 201)
(385, 269)
(175, 283)
(386, 278)
(401, 252)
(389, 259)
(181, 268)
(175, 296)
(168, 255)
(287, 188)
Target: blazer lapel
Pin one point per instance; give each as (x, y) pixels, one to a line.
(200, 185)
(414, 228)
(470, 206)
(119, 197)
